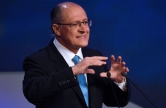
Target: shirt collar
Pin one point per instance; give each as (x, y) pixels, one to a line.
(66, 53)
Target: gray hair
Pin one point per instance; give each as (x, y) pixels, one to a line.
(56, 14)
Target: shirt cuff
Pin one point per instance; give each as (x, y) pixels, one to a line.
(122, 85)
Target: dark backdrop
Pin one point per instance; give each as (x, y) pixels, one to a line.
(134, 29)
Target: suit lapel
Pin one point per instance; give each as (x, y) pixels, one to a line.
(90, 80)
(60, 64)
(59, 61)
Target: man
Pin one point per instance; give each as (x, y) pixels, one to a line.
(67, 74)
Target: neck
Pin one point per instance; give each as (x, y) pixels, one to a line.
(73, 49)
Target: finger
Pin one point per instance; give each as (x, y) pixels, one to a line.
(93, 61)
(112, 59)
(123, 64)
(127, 69)
(119, 59)
(90, 71)
(97, 63)
(99, 58)
(103, 74)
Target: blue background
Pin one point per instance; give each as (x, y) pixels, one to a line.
(134, 29)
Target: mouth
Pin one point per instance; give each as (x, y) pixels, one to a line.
(81, 37)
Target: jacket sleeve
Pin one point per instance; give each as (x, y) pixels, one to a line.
(109, 95)
(40, 83)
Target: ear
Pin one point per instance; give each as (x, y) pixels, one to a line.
(56, 29)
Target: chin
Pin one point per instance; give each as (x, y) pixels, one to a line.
(83, 45)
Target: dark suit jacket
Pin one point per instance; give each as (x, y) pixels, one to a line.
(49, 82)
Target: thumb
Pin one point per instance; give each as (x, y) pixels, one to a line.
(90, 71)
(103, 74)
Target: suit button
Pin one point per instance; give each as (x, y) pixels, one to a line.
(63, 82)
(60, 83)
(68, 80)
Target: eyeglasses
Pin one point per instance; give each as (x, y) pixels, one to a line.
(75, 25)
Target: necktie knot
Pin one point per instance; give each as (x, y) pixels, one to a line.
(76, 59)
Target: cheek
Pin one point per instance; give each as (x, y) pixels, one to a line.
(88, 29)
(68, 35)
(71, 37)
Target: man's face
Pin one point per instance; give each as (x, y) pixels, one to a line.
(74, 38)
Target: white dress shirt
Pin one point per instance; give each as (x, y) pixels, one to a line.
(68, 56)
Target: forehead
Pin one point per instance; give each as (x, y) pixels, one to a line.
(73, 13)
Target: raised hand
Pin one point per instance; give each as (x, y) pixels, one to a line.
(116, 68)
(82, 67)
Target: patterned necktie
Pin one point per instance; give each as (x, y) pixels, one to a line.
(82, 81)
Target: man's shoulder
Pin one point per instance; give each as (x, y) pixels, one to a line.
(40, 52)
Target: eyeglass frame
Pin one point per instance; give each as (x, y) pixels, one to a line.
(89, 23)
